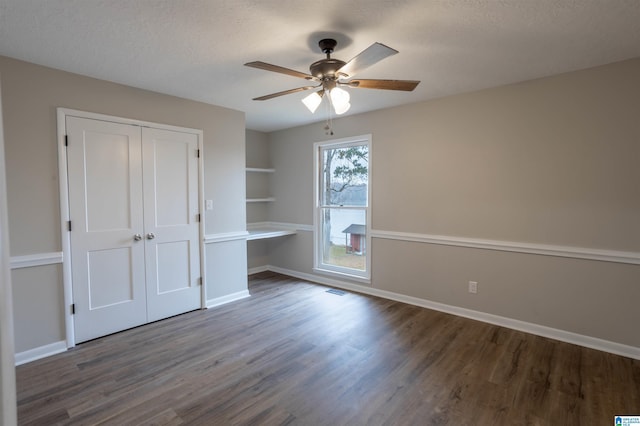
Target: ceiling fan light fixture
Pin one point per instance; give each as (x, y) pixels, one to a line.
(330, 73)
(342, 109)
(340, 100)
(313, 101)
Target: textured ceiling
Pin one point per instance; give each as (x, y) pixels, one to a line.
(196, 49)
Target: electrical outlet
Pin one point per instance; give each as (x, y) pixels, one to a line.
(473, 287)
(209, 204)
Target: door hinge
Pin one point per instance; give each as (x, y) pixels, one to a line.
(66, 140)
(200, 281)
(69, 225)
(198, 153)
(73, 309)
(198, 217)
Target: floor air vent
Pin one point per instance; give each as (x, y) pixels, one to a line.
(337, 292)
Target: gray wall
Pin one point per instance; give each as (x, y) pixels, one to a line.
(31, 95)
(553, 161)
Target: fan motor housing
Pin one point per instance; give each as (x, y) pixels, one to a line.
(326, 68)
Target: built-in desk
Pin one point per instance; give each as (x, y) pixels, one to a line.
(260, 233)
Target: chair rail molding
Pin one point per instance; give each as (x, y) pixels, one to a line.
(516, 247)
(38, 259)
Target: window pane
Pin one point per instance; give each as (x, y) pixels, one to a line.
(344, 236)
(345, 176)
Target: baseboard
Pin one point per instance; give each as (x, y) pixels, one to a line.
(257, 270)
(228, 298)
(527, 327)
(40, 352)
(61, 346)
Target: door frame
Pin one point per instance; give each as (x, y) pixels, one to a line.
(62, 114)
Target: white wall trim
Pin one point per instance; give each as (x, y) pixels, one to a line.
(615, 256)
(517, 247)
(39, 259)
(41, 352)
(63, 182)
(228, 298)
(225, 236)
(527, 327)
(257, 270)
(356, 278)
(124, 120)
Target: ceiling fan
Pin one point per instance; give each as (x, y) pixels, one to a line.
(332, 73)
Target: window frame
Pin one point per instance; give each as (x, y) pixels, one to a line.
(318, 265)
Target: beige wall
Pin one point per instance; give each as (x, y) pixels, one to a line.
(257, 152)
(38, 306)
(553, 161)
(597, 299)
(31, 95)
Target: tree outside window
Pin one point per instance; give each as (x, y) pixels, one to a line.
(343, 207)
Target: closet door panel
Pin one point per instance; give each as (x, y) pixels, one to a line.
(105, 205)
(170, 166)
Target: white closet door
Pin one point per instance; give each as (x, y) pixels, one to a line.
(105, 204)
(170, 166)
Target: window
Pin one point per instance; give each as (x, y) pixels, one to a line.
(342, 216)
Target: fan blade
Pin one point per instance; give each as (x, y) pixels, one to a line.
(406, 85)
(369, 56)
(281, 70)
(285, 92)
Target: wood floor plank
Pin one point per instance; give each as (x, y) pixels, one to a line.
(293, 354)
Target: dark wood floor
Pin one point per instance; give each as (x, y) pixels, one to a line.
(294, 354)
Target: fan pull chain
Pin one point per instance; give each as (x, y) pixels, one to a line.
(328, 128)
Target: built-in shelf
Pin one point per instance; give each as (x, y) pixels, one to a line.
(260, 200)
(259, 170)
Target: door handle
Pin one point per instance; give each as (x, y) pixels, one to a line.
(137, 237)
(151, 236)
